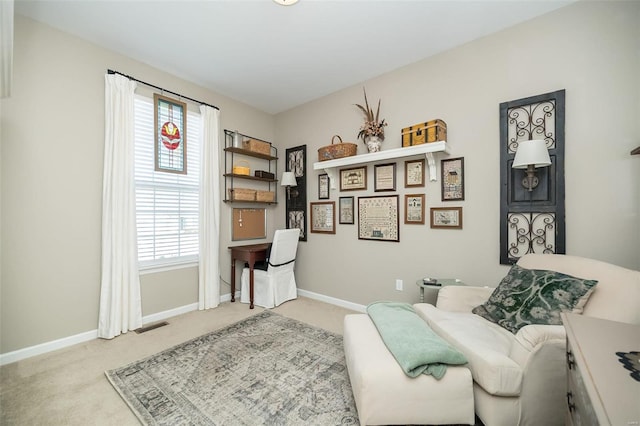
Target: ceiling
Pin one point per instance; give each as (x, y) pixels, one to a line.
(276, 57)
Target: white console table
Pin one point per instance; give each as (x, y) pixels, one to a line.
(600, 390)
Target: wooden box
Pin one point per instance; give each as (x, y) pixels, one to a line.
(242, 194)
(265, 196)
(431, 131)
(255, 145)
(264, 174)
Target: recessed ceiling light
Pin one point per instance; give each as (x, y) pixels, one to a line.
(286, 2)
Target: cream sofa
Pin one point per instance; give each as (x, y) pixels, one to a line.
(518, 379)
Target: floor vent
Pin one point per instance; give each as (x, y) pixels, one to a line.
(151, 327)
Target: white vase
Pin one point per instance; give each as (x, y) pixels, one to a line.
(373, 143)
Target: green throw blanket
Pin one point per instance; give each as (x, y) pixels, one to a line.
(416, 347)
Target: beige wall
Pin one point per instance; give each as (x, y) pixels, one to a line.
(52, 152)
(52, 158)
(590, 49)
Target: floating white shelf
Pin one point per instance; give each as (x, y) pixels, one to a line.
(428, 149)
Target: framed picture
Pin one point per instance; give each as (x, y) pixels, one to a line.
(297, 219)
(323, 218)
(384, 177)
(452, 179)
(414, 209)
(353, 179)
(446, 217)
(170, 119)
(345, 209)
(413, 173)
(323, 186)
(378, 218)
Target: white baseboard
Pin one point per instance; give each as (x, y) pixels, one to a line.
(333, 300)
(54, 345)
(170, 313)
(42, 348)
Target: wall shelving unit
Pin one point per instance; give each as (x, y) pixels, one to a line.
(230, 178)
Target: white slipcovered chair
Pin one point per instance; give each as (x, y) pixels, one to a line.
(277, 283)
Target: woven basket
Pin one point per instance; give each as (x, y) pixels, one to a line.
(242, 194)
(242, 169)
(339, 150)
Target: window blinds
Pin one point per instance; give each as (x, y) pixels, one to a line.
(166, 203)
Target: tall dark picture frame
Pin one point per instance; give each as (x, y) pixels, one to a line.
(296, 205)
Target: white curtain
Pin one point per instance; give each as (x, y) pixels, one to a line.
(120, 304)
(209, 270)
(6, 47)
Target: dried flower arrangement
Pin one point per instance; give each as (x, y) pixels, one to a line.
(372, 126)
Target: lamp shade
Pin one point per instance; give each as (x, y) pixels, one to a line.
(288, 179)
(533, 152)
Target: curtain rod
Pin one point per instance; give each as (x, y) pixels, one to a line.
(160, 88)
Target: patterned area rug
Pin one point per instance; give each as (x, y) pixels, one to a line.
(266, 369)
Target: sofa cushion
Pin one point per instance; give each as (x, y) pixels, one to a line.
(617, 295)
(486, 346)
(532, 296)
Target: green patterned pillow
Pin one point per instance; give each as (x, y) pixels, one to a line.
(531, 296)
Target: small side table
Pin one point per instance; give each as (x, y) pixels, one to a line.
(432, 290)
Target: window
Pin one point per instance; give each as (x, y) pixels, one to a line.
(166, 203)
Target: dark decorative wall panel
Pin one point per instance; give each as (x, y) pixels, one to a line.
(532, 221)
(296, 208)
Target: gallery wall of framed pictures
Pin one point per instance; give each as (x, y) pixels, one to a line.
(379, 216)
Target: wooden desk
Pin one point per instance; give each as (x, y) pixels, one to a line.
(251, 254)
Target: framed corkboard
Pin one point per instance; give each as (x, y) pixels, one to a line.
(248, 224)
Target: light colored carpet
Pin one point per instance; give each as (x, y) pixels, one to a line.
(264, 370)
(68, 387)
